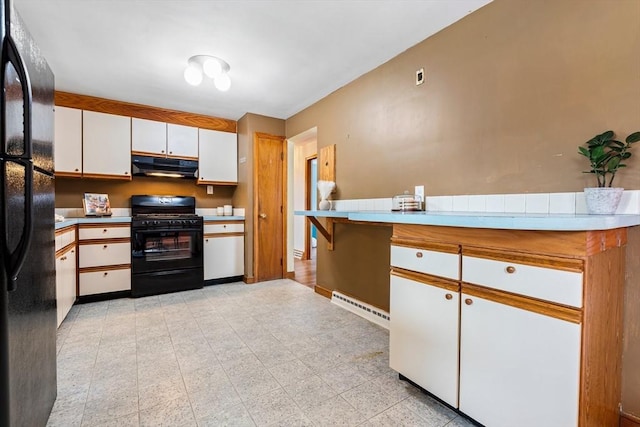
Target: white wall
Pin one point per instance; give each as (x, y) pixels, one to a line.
(301, 151)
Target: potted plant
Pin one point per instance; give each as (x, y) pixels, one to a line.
(606, 156)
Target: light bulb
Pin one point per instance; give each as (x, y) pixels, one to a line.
(212, 68)
(222, 82)
(193, 75)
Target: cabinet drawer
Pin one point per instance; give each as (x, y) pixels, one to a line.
(104, 254)
(223, 228)
(559, 286)
(89, 233)
(426, 261)
(65, 238)
(99, 282)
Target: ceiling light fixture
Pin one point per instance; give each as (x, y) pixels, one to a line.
(210, 66)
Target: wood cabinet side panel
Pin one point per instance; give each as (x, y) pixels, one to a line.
(602, 338)
(631, 334)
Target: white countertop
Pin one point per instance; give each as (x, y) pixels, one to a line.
(112, 219)
(495, 220)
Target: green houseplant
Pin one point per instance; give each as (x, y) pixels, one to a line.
(606, 156)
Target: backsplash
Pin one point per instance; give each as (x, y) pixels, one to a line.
(534, 203)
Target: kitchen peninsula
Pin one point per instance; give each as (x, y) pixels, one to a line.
(533, 299)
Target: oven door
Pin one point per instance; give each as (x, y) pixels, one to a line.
(165, 249)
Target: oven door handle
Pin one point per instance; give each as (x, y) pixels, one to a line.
(164, 230)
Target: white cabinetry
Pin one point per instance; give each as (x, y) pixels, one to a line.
(104, 258)
(65, 271)
(182, 141)
(218, 157)
(424, 335)
(67, 154)
(223, 249)
(148, 137)
(160, 139)
(106, 140)
(528, 362)
(512, 319)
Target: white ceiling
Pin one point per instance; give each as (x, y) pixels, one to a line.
(284, 55)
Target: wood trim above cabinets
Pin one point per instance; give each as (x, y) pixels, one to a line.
(102, 105)
(449, 285)
(203, 182)
(77, 174)
(566, 264)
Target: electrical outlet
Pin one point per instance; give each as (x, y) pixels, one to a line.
(419, 191)
(209, 189)
(419, 76)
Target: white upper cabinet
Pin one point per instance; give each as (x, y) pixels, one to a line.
(106, 145)
(218, 157)
(68, 142)
(148, 137)
(182, 141)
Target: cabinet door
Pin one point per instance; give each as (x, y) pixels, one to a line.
(182, 141)
(517, 367)
(67, 154)
(148, 137)
(218, 157)
(106, 143)
(65, 283)
(423, 336)
(223, 257)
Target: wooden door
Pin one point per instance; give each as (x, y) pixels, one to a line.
(268, 213)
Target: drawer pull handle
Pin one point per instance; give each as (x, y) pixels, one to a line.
(104, 247)
(448, 296)
(104, 231)
(77, 170)
(419, 254)
(105, 274)
(468, 301)
(511, 269)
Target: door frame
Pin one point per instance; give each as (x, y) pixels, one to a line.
(306, 255)
(285, 154)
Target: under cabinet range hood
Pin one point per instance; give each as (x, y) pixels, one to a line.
(164, 167)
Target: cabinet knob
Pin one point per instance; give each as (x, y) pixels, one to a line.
(104, 231)
(468, 301)
(126, 173)
(206, 240)
(162, 151)
(77, 170)
(170, 152)
(418, 254)
(63, 258)
(448, 296)
(510, 269)
(105, 274)
(104, 247)
(263, 215)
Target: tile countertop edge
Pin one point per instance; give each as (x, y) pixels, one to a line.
(508, 221)
(113, 219)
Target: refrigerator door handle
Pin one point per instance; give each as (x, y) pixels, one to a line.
(15, 260)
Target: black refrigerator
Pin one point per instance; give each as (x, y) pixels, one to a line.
(27, 248)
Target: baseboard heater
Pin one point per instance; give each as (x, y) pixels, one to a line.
(362, 309)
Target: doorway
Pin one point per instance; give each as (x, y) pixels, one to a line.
(311, 202)
(269, 248)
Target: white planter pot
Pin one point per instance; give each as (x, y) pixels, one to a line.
(603, 200)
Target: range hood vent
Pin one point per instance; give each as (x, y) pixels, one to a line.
(164, 167)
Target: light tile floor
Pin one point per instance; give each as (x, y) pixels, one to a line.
(269, 354)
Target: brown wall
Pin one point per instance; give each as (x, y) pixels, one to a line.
(69, 191)
(248, 125)
(511, 91)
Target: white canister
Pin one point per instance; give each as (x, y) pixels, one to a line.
(228, 210)
(220, 210)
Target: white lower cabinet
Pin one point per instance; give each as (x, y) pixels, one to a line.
(65, 282)
(223, 249)
(104, 258)
(100, 282)
(424, 336)
(223, 257)
(517, 365)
